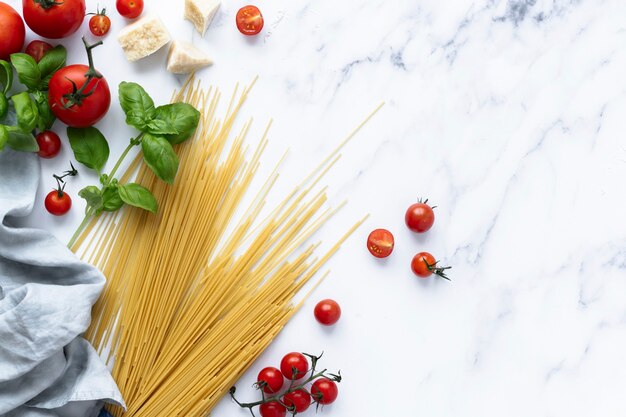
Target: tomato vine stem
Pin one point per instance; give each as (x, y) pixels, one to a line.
(78, 94)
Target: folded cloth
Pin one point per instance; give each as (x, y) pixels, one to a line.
(46, 295)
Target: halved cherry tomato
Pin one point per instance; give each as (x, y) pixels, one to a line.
(380, 243)
(249, 20)
(49, 144)
(58, 202)
(99, 24)
(37, 49)
(129, 9)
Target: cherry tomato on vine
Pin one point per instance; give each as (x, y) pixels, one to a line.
(58, 202)
(99, 24)
(324, 391)
(249, 20)
(273, 379)
(13, 31)
(380, 243)
(294, 366)
(298, 399)
(37, 49)
(49, 144)
(272, 409)
(420, 217)
(327, 312)
(54, 19)
(129, 9)
(424, 265)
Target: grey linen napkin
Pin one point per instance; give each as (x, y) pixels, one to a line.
(46, 295)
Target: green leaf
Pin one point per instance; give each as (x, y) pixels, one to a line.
(137, 105)
(4, 105)
(51, 62)
(89, 145)
(112, 199)
(26, 111)
(4, 136)
(27, 70)
(22, 141)
(138, 196)
(160, 157)
(176, 121)
(46, 117)
(93, 196)
(6, 76)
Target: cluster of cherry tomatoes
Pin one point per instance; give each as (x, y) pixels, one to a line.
(419, 218)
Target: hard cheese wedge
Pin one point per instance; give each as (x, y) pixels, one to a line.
(201, 13)
(185, 58)
(143, 37)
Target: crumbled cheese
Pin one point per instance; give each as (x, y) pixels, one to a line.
(185, 58)
(143, 37)
(201, 13)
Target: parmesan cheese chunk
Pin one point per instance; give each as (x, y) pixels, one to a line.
(143, 37)
(185, 58)
(201, 13)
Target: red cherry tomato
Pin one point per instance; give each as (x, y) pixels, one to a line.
(272, 409)
(37, 49)
(294, 366)
(54, 19)
(324, 391)
(91, 109)
(273, 379)
(249, 20)
(13, 31)
(99, 24)
(58, 202)
(298, 400)
(419, 217)
(129, 9)
(49, 144)
(424, 265)
(380, 243)
(327, 312)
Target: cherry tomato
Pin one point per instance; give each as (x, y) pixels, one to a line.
(54, 19)
(424, 265)
(273, 379)
(91, 109)
(420, 217)
(13, 31)
(49, 144)
(272, 409)
(380, 243)
(298, 399)
(249, 20)
(37, 49)
(129, 9)
(99, 24)
(58, 202)
(294, 366)
(324, 391)
(327, 312)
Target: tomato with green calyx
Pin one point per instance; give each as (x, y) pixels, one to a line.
(270, 379)
(58, 202)
(324, 391)
(298, 401)
(420, 217)
(424, 265)
(294, 366)
(54, 19)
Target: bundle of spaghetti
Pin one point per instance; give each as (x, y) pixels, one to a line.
(189, 302)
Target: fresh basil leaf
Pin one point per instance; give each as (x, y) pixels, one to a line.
(46, 117)
(26, 111)
(137, 105)
(4, 136)
(176, 121)
(6, 76)
(51, 62)
(27, 70)
(93, 196)
(89, 145)
(22, 141)
(111, 198)
(4, 105)
(138, 196)
(160, 157)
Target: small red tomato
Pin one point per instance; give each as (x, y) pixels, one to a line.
(294, 366)
(324, 391)
(249, 20)
(129, 9)
(327, 312)
(49, 144)
(37, 49)
(58, 202)
(420, 217)
(380, 243)
(13, 31)
(298, 401)
(424, 265)
(99, 24)
(271, 379)
(272, 409)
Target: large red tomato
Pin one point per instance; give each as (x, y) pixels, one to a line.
(13, 31)
(54, 19)
(86, 109)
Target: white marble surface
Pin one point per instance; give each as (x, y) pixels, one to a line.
(506, 114)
